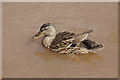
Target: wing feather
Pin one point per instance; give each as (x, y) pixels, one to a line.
(64, 41)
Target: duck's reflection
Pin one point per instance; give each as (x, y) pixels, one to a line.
(86, 58)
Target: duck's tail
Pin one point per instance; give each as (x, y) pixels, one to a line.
(91, 45)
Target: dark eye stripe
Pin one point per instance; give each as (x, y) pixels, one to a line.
(44, 29)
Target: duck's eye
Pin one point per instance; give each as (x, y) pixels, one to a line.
(44, 29)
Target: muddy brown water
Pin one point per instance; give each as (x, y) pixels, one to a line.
(24, 57)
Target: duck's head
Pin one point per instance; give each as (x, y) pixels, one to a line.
(46, 29)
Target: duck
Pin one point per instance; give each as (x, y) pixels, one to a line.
(67, 42)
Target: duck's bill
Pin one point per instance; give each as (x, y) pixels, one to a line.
(37, 35)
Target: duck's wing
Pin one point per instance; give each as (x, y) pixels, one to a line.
(81, 36)
(62, 42)
(66, 41)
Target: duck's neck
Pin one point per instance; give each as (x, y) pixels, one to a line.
(47, 40)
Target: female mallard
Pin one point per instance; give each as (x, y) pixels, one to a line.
(66, 42)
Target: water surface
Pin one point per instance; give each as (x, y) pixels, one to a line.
(24, 57)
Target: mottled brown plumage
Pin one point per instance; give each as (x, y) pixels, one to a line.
(67, 42)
